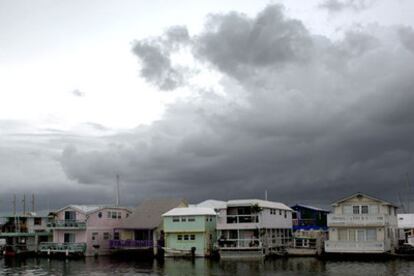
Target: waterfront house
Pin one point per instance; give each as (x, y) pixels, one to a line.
(143, 229)
(22, 233)
(309, 230)
(84, 229)
(362, 224)
(190, 230)
(406, 228)
(307, 217)
(253, 228)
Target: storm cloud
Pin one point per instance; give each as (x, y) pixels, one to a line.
(305, 117)
(342, 5)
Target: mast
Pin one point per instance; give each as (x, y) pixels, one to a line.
(33, 203)
(24, 204)
(117, 190)
(14, 204)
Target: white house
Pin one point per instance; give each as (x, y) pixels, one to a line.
(406, 227)
(362, 224)
(251, 227)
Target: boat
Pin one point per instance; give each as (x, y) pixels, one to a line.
(182, 253)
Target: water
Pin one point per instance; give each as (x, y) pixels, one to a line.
(291, 266)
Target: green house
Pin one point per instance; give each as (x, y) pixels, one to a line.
(189, 228)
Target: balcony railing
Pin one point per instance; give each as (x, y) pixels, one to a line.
(303, 222)
(239, 244)
(358, 220)
(67, 224)
(242, 219)
(120, 244)
(53, 247)
(354, 246)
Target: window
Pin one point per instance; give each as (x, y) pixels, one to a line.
(347, 209)
(106, 236)
(280, 212)
(100, 215)
(69, 238)
(206, 218)
(116, 236)
(343, 234)
(180, 237)
(355, 210)
(285, 214)
(352, 234)
(192, 237)
(95, 236)
(373, 209)
(371, 234)
(108, 214)
(175, 219)
(183, 219)
(70, 215)
(364, 209)
(361, 235)
(119, 215)
(186, 237)
(37, 221)
(114, 215)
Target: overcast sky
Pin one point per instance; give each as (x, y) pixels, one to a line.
(309, 100)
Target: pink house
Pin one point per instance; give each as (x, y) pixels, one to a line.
(84, 229)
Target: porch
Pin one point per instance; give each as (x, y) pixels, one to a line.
(67, 248)
(355, 247)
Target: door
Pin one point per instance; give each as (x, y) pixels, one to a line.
(69, 238)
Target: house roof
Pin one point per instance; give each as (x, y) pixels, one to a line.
(147, 215)
(259, 202)
(212, 203)
(365, 195)
(88, 209)
(311, 208)
(190, 211)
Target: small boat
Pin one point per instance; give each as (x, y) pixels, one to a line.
(184, 253)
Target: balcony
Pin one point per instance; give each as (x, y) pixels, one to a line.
(357, 220)
(355, 247)
(130, 244)
(239, 244)
(69, 248)
(67, 225)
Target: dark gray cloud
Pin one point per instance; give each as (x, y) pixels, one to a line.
(155, 57)
(342, 5)
(406, 35)
(305, 117)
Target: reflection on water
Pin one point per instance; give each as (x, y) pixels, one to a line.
(284, 266)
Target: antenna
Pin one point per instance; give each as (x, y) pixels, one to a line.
(117, 190)
(265, 194)
(408, 194)
(401, 202)
(14, 204)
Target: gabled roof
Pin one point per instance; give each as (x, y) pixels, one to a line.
(364, 195)
(310, 208)
(147, 215)
(259, 202)
(89, 209)
(190, 211)
(212, 203)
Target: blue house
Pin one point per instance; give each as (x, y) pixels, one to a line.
(309, 218)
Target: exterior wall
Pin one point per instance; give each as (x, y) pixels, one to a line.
(279, 219)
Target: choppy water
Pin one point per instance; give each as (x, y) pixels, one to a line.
(291, 266)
